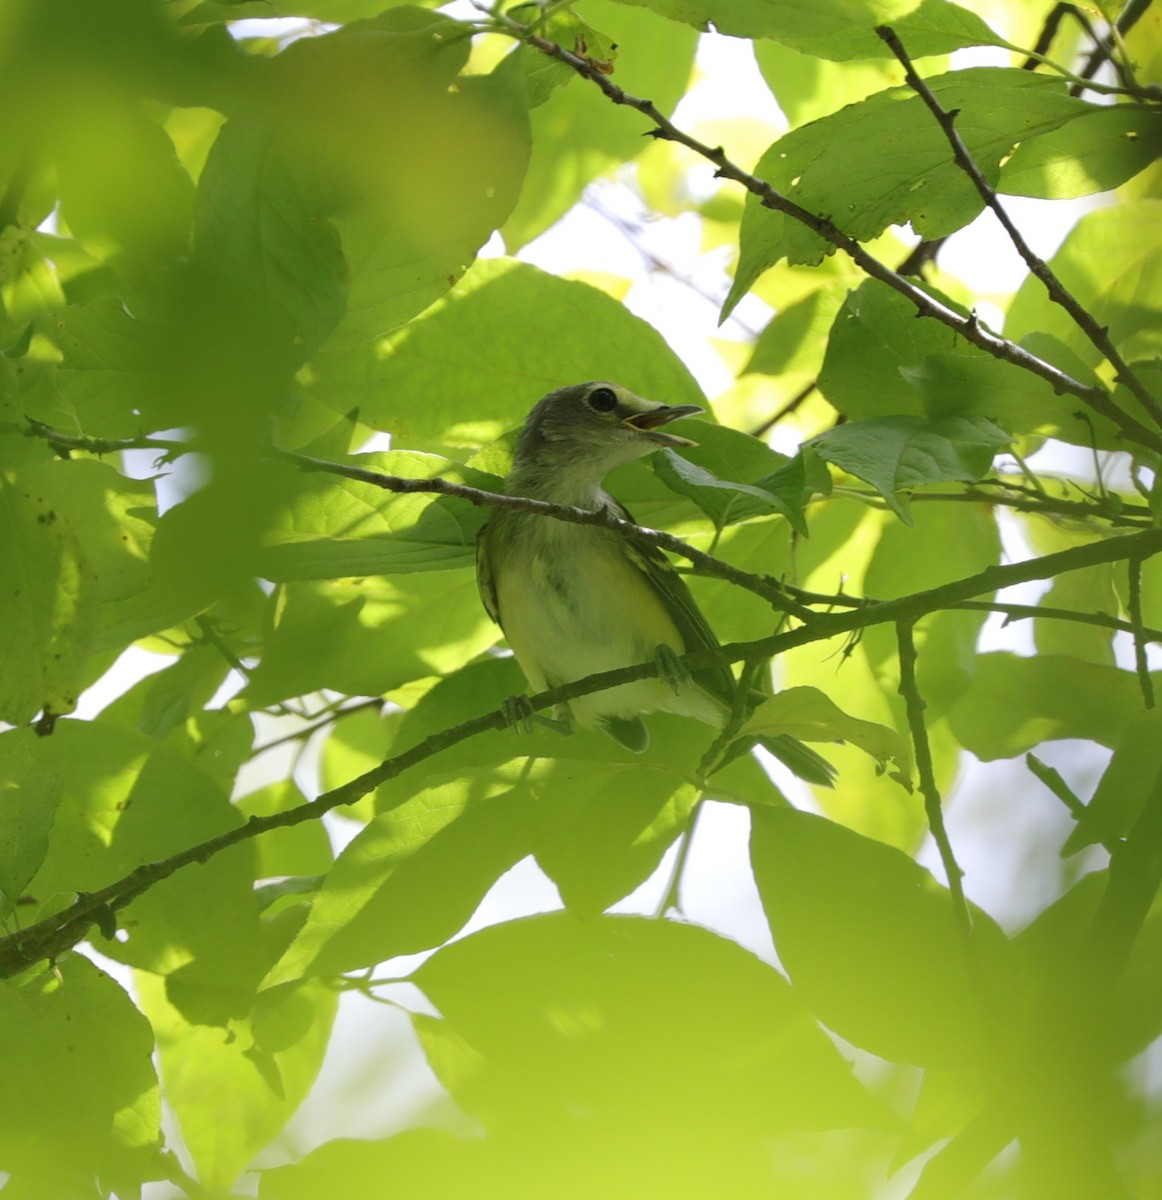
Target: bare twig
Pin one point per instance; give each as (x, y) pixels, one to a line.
(1058, 293)
(914, 706)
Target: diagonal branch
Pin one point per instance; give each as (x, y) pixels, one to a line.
(1058, 293)
(58, 932)
(968, 327)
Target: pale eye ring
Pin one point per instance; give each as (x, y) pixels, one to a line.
(601, 400)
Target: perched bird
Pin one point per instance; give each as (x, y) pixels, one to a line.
(577, 599)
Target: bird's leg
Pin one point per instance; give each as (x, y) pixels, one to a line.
(671, 669)
(518, 713)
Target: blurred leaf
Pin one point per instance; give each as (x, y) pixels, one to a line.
(1125, 785)
(834, 29)
(78, 1090)
(256, 1088)
(1017, 703)
(871, 941)
(412, 877)
(127, 801)
(164, 700)
(895, 453)
(49, 605)
(1088, 591)
(808, 87)
(363, 637)
(795, 339)
(442, 381)
(836, 166)
(811, 716)
(652, 1029)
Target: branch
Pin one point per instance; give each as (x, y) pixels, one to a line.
(58, 932)
(967, 327)
(914, 706)
(1104, 48)
(1140, 639)
(1058, 293)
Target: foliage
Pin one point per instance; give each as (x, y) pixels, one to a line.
(228, 260)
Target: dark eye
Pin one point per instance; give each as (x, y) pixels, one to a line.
(602, 400)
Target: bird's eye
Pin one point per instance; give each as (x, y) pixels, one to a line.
(602, 400)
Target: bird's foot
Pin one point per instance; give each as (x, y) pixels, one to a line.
(671, 669)
(518, 713)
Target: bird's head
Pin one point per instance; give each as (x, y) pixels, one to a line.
(591, 428)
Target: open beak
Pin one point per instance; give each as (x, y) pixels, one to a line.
(650, 423)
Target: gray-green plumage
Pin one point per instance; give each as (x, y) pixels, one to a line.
(575, 599)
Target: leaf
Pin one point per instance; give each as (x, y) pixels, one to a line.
(334, 528)
(363, 637)
(448, 380)
(871, 942)
(255, 1087)
(29, 796)
(577, 135)
(1124, 787)
(127, 801)
(835, 166)
(833, 29)
(881, 361)
(49, 605)
(811, 716)
(658, 1032)
(895, 453)
(1111, 262)
(78, 1090)
(1017, 703)
(413, 876)
(602, 829)
(1100, 149)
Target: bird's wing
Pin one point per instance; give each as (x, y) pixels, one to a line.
(484, 579)
(683, 610)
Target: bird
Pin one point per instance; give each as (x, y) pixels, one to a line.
(573, 600)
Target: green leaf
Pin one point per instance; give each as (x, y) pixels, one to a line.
(1099, 150)
(894, 453)
(1017, 703)
(577, 135)
(49, 605)
(836, 166)
(662, 1034)
(871, 942)
(334, 528)
(29, 795)
(363, 637)
(834, 29)
(412, 877)
(127, 801)
(811, 716)
(303, 849)
(807, 87)
(602, 829)
(447, 380)
(881, 361)
(1125, 785)
(255, 1087)
(78, 1090)
(1111, 263)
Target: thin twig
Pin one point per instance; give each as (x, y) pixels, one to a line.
(926, 775)
(795, 402)
(330, 719)
(969, 327)
(1058, 293)
(1104, 48)
(1141, 664)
